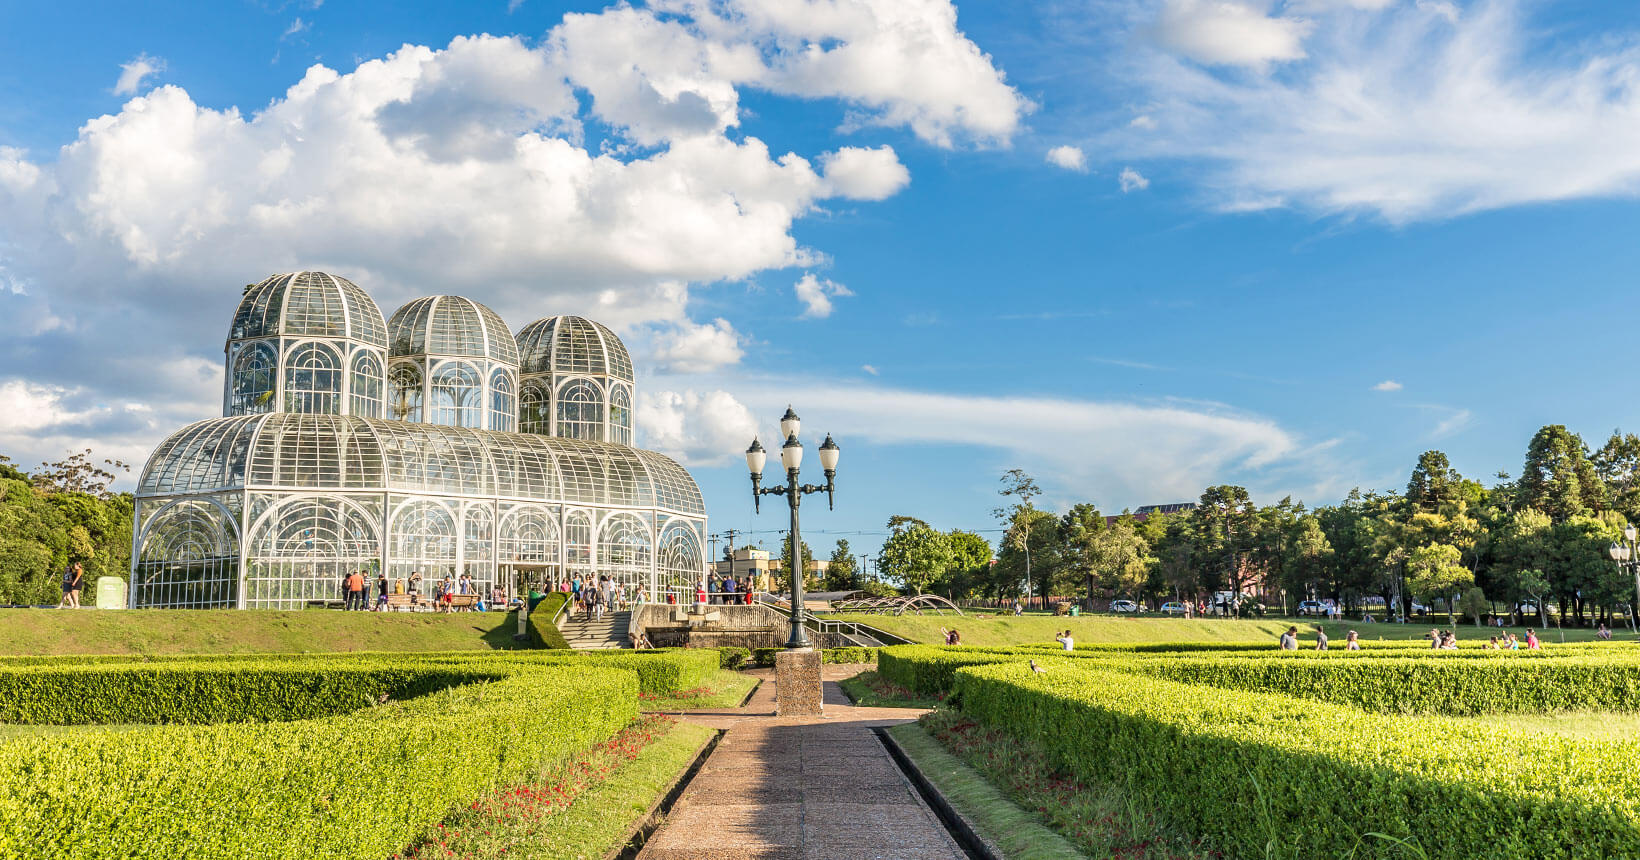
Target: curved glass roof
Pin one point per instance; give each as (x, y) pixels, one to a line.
(308, 304)
(566, 344)
(451, 325)
(291, 451)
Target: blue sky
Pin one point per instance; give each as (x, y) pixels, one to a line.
(1133, 246)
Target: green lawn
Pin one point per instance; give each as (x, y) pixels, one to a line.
(47, 632)
(1008, 629)
(1038, 627)
(1018, 834)
(868, 689)
(727, 689)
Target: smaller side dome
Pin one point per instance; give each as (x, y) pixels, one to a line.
(451, 325)
(570, 344)
(308, 304)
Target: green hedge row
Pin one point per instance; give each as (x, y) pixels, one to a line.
(853, 654)
(1423, 685)
(269, 691)
(357, 785)
(931, 669)
(659, 671)
(1274, 776)
(543, 633)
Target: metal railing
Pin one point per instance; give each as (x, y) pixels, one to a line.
(853, 632)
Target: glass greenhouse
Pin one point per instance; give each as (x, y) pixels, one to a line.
(353, 444)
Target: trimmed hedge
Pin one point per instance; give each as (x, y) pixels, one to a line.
(733, 656)
(1264, 775)
(543, 633)
(931, 669)
(267, 690)
(659, 671)
(1426, 685)
(851, 654)
(362, 784)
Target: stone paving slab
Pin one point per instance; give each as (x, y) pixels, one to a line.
(818, 787)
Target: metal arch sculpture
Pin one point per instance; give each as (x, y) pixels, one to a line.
(898, 605)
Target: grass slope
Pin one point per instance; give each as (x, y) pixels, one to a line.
(1017, 833)
(726, 689)
(1011, 630)
(47, 632)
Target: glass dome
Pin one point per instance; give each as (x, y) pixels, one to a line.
(453, 326)
(569, 344)
(308, 304)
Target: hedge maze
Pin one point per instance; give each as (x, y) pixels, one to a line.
(1261, 753)
(295, 757)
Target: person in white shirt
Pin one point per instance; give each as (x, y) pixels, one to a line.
(1066, 640)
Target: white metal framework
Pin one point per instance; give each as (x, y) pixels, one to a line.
(305, 481)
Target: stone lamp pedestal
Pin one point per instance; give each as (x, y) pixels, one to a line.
(797, 683)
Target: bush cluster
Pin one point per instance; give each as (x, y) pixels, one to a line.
(1259, 774)
(852, 654)
(357, 784)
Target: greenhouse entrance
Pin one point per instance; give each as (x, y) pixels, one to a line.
(521, 579)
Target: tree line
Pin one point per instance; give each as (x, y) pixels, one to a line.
(61, 512)
(1447, 541)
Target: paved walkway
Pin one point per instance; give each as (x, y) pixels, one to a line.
(801, 788)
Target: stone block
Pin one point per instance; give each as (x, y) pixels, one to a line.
(797, 683)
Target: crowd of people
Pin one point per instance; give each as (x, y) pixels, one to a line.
(593, 597)
(356, 589)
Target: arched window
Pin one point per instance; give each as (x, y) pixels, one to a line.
(529, 536)
(313, 380)
(577, 544)
(366, 398)
(581, 411)
(458, 395)
(301, 550)
(188, 557)
(253, 377)
(423, 540)
(680, 561)
(623, 549)
(620, 415)
(404, 392)
(501, 401)
(534, 410)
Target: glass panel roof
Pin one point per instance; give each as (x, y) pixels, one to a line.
(451, 325)
(569, 344)
(288, 450)
(308, 304)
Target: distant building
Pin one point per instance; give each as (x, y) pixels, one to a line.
(1144, 511)
(748, 562)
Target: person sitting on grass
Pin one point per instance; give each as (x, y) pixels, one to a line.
(1449, 641)
(952, 637)
(1066, 640)
(1603, 633)
(1352, 642)
(1435, 637)
(1532, 643)
(1289, 640)
(1320, 639)
(1492, 644)
(1512, 644)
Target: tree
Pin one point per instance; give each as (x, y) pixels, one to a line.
(970, 564)
(1433, 483)
(915, 555)
(842, 572)
(1224, 522)
(1018, 516)
(1434, 571)
(1077, 529)
(1121, 556)
(1474, 604)
(1618, 465)
(1558, 478)
(786, 557)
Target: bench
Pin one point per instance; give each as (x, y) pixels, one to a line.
(399, 603)
(463, 601)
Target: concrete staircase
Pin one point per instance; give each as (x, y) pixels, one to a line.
(584, 632)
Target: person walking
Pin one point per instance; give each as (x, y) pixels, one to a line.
(1289, 640)
(1352, 642)
(381, 590)
(73, 581)
(1320, 638)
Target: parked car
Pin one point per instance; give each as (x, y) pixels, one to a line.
(1123, 606)
(1312, 607)
(1174, 607)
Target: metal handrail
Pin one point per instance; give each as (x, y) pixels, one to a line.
(833, 625)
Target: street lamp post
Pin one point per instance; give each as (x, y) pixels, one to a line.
(1627, 556)
(791, 457)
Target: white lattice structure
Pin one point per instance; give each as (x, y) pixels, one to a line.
(305, 481)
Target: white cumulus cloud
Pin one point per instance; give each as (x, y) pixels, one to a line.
(691, 348)
(1387, 385)
(1230, 32)
(1068, 157)
(697, 428)
(132, 74)
(864, 174)
(816, 295)
(1131, 180)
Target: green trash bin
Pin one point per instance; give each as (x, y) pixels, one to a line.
(1076, 610)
